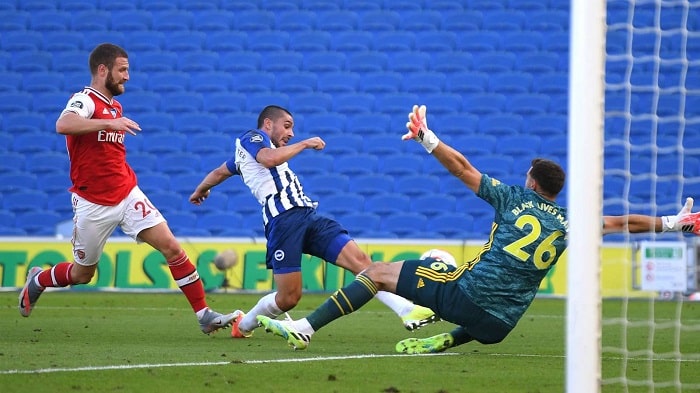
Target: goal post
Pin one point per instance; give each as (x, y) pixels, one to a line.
(634, 148)
(585, 173)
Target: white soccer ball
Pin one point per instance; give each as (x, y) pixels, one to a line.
(226, 259)
(440, 255)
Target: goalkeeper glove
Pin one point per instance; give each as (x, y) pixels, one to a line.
(418, 129)
(684, 221)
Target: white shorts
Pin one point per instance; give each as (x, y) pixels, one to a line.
(93, 224)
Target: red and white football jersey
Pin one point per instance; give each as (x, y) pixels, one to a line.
(98, 168)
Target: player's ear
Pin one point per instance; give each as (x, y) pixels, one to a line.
(267, 124)
(530, 183)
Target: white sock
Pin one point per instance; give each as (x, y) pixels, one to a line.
(395, 302)
(265, 306)
(303, 326)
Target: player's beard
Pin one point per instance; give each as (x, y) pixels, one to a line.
(113, 87)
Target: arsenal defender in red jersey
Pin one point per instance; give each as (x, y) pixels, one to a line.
(105, 193)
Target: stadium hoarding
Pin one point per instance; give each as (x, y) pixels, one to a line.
(125, 265)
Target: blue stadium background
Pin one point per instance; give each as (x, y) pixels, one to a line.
(492, 73)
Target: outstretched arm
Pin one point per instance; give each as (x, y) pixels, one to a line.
(454, 161)
(458, 165)
(212, 179)
(684, 221)
(269, 157)
(632, 223)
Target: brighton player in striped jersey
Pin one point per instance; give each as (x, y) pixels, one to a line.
(292, 226)
(488, 295)
(105, 193)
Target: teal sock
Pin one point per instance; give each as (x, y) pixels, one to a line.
(343, 301)
(460, 336)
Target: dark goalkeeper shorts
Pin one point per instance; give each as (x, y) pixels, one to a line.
(434, 285)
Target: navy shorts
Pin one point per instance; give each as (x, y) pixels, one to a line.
(434, 284)
(301, 231)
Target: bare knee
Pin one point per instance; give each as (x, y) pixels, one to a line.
(353, 258)
(162, 239)
(171, 250)
(381, 274)
(168, 246)
(371, 271)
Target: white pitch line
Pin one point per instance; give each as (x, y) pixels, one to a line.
(314, 359)
(371, 356)
(163, 365)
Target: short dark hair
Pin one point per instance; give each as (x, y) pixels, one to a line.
(105, 54)
(549, 176)
(272, 112)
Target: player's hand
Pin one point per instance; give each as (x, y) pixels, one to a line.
(686, 221)
(125, 124)
(198, 197)
(416, 120)
(315, 143)
(418, 130)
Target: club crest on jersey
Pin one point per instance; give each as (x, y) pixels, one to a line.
(109, 111)
(279, 255)
(256, 138)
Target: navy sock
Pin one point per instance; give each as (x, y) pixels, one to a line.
(343, 301)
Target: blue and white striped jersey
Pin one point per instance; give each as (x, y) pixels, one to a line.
(276, 189)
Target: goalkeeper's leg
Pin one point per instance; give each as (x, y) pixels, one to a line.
(413, 316)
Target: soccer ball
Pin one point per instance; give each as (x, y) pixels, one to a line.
(226, 259)
(440, 255)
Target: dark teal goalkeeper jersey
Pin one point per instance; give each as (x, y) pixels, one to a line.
(528, 236)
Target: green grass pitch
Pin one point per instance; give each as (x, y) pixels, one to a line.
(80, 341)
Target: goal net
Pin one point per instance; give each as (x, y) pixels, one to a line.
(651, 163)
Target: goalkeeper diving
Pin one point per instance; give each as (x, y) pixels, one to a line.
(487, 296)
